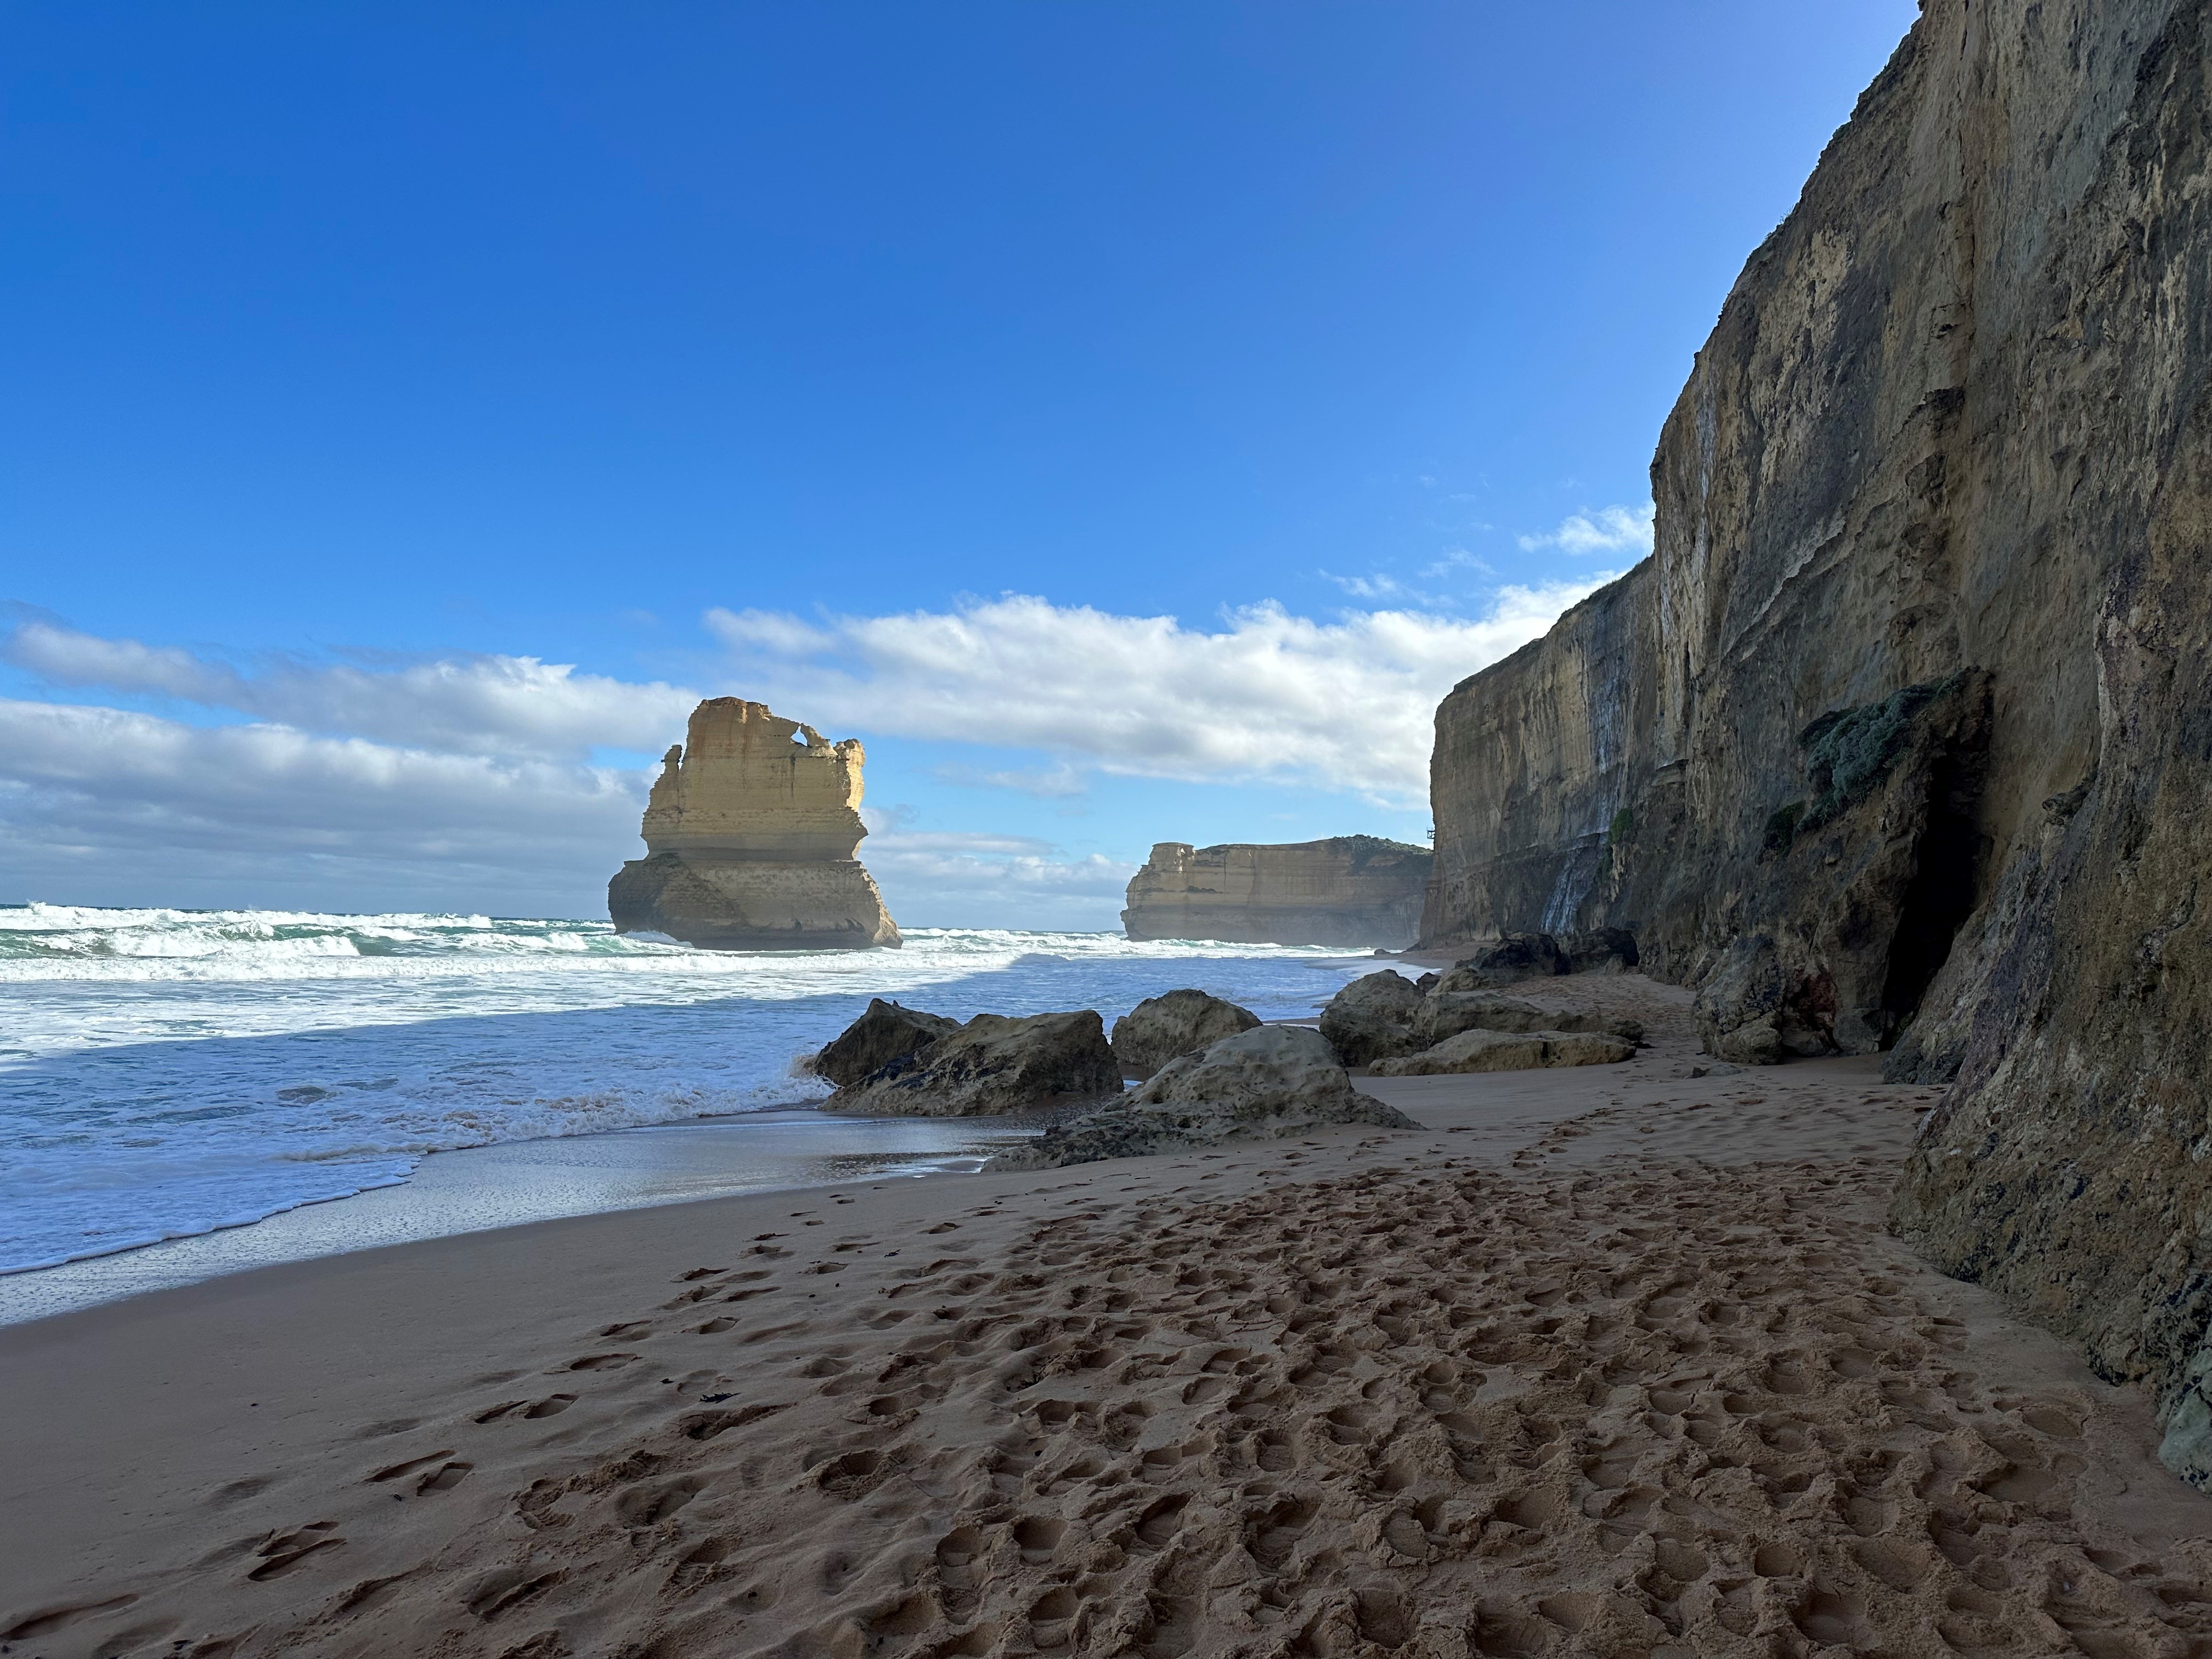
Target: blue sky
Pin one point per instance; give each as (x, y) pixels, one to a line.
(908, 366)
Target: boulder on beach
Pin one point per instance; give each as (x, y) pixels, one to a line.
(1514, 958)
(1271, 1081)
(993, 1063)
(1372, 1017)
(1445, 1014)
(1508, 1051)
(1159, 1029)
(885, 1033)
(1600, 950)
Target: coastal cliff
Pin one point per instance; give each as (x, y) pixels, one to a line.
(1349, 889)
(750, 833)
(1897, 741)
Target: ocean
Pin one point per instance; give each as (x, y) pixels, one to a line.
(167, 1073)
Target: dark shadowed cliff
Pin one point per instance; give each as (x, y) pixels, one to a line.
(1902, 738)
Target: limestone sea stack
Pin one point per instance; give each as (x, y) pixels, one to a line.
(1357, 890)
(750, 837)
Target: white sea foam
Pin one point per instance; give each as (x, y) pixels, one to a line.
(165, 1072)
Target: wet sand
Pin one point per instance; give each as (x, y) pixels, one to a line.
(520, 1181)
(1612, 1361)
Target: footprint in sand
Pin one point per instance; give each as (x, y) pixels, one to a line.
(286, 1551)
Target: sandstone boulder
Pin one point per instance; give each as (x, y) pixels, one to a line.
(1508, 1051)
(1160, 1028)
(1271, 1081)
(1445, 1014)
(1372, 1017)
(1763, 1002)
(1514, 958)
(885, 1033)
(993, 1063)
(1599, 951)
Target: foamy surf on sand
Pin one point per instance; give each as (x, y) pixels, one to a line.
(169, 1072)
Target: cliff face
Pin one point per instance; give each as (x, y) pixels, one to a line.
(1351, 889)
(749, 834)
(1900, 737)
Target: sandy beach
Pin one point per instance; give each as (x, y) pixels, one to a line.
(1606, 1361)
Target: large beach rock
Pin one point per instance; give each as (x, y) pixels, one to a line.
(1272, 1081)
(1600, 950)
(1508, 1051)
(1372, 1017)
(885, 1033)
(993, 1063)
(1160, 1028)
(1447, 1013)
(1514, 958)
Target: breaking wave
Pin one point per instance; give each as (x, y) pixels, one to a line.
(165, 1072)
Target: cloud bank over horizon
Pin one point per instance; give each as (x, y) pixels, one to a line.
(478, 781)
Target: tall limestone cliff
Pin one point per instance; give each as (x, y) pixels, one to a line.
(1357, 890)
(1900, 739)
(750, 835)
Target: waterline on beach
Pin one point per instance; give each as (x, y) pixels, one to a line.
(166, 1074)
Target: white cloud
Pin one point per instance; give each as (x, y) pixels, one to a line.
(402, 783)
(1457, 558)
(1061, 782)
(1608, 530)
(1344, 705)
(1377, 587)
(143, 806)
(469, 705)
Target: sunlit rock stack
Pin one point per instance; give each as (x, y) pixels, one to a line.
(1900, 739)
(750, 835)
(1356, 891)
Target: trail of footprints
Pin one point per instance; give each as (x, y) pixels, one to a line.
(1682, 1414)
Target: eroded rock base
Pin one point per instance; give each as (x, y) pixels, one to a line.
(751, 904)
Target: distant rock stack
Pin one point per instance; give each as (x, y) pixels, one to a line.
(1356, 891)
(750, 835)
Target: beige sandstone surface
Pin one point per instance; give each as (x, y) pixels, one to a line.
(1356, 891)
(750, 833)
(1608, 1361)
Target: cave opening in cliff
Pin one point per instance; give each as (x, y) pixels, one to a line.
(1941, 894)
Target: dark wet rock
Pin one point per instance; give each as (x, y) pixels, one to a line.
(885, 1033)
(992, 1065)
(1514, 958)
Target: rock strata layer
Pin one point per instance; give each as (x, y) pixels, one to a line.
(1263, 1083)
(993, 1064)
(1508, 1051)
(750, 834)
(1163, 1028)
(1357, 890)
(1899, 739)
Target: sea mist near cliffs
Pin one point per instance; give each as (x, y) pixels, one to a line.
(1898, 740)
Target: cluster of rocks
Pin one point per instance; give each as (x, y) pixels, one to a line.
(1212, 1072)
(1455, 1022)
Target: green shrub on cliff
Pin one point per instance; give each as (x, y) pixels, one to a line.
(1849, 751)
